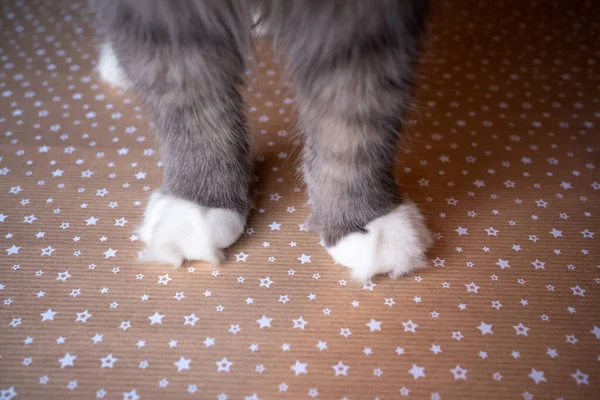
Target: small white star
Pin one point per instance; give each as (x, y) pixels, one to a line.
(266, 282)
(321, 345)
(13, 250)
(182, 364)
(264, 322)
(556, 233)
(485, 328)
(491, 231)
(29, 219)
(299, 323)
(190, 319)
(577, 291)
(461, 231)
(587, 234)
(580, 378)
(341, 369)
(67, 360)
(48, 315)
(120, 222)
(92, 220)
(110, 253)
(304, 258)
(410, 326)
(241, 257)
(459, 373)
(552, 352)
(108, 361)
(521, 329)
(417, 372)
(223, 365)
(537, 376)
(275, 226)
(376, 325)
(299, 368)
(83, 316)
(156, 318)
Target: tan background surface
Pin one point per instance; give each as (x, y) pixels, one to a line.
(500, 155)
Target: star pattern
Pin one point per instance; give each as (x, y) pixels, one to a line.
(501, 158)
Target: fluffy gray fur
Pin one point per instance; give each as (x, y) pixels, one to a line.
(352, 62)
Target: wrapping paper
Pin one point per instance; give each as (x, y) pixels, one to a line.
(499, 152)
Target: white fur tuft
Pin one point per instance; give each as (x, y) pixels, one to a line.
(395, 243)
(260, 29)
(109, 70)
(176, 230)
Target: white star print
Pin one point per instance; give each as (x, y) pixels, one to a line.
(189, 319)
(299, 368)
(417, 372)
(459, 373)
(67, 360)
(48, 315)
(13, 250)
(341, 369)
(224, 365)
(110, 253)
(461, 231)
(164, 279)
(485, 328)
(304, 258)
(92, 220)
(376, 325)
(580, 378)
(537, 376)
(241, 257)
(83, 316)
(275, 226)
(156, 318)
(321, 345)
(521, 329)
(183, 364)
(410, 326)
(300, 323)
(436, 349)
(266, 282)
(108, 361)
(264, 321)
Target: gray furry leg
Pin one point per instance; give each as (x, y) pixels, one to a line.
(352, 63)
(185, 59)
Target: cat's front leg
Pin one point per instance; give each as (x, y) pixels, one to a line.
(186, 64)
(364, 223)
(353, 66)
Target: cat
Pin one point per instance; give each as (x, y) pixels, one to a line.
(352, 63)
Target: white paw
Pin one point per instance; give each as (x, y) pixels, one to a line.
(395, 242)
(109, 70)
(176, 230)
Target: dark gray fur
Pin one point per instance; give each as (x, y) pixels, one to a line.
(352, 62)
